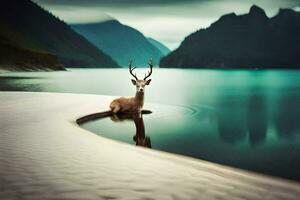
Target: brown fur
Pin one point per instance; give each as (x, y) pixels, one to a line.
(128, 104)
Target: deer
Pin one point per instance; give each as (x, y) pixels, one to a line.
(133, 104)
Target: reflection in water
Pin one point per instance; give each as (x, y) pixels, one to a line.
(231, 121)
(257, 120)
(139, 138)
(238, 121)
(13, 83)
(287, 117)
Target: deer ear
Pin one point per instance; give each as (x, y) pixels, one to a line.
(133, 81)
(148, 81)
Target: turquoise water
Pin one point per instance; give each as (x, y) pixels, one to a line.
(247, 119)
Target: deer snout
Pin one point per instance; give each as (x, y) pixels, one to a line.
(141, 90)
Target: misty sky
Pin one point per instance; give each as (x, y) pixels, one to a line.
(168, 21)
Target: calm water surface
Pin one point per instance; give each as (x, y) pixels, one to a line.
(247, 119)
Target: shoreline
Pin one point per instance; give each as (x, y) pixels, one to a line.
(55, 158)
(4, 70)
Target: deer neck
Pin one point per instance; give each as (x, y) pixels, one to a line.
(139, 99)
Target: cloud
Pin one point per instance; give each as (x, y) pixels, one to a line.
(143, 3)
(119, 3)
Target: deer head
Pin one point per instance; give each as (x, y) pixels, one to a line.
(140, 84)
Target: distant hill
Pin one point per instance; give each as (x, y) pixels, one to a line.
(13, 58)
(121, 42)
(26, 27)
(163, 49)
(246, 41)
(14, 55)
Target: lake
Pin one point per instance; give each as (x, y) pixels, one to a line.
(247, 119)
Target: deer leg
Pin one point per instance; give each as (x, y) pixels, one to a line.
(116, 109)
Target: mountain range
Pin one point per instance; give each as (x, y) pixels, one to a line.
(31, 37)
(122, 42)
(163, 49)
(252, 40)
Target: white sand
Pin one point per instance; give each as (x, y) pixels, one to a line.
(45, 155)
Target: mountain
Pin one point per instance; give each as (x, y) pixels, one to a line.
(246, 41)
(17, 54)
(121, 42)
(26, 27)
(14, 58)
(163, 49)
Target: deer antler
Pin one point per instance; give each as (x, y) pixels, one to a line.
(131, 70)
(149, 72)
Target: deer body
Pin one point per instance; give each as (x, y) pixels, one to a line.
(128, 104)
(132, 104)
